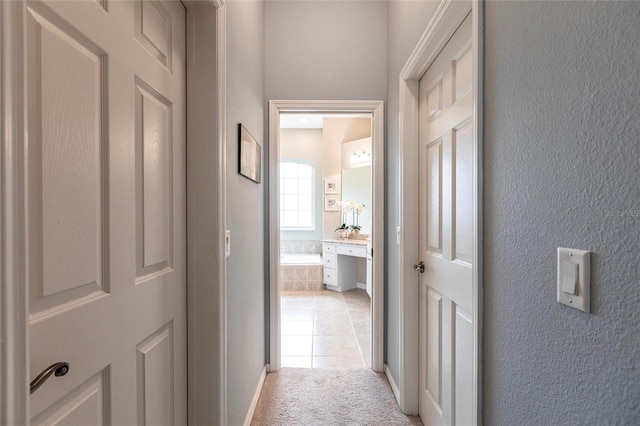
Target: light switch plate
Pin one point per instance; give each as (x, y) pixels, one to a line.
(574, 275)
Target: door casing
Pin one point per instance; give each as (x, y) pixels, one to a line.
(376, 109)
(201, 130)
(445, 22)
(206, 212)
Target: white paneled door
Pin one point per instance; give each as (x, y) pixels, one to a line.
(447, 234)
(106, 210)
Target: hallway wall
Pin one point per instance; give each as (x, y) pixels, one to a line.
(562, 163)
(407, 21)
(245, 202)
(325, 50)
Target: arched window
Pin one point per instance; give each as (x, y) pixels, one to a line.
(296, 195)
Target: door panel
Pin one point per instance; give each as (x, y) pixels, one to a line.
(434, 346)
(155, 374)
(463, 193)
(88, 404)
(462, 70)
(106, 189)
(434, 197)
(464, 367)
(153, 180)
(153, 29)
(446, 182)
(66, 119)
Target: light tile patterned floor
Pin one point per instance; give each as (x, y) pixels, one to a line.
(326, 329)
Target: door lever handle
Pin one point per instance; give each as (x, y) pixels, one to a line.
(419, 267)
(58, 369)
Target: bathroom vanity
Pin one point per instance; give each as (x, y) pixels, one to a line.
(340, 259)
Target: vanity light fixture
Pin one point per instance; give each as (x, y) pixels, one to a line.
(363, 157)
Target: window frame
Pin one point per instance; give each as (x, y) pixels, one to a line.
(313, 226)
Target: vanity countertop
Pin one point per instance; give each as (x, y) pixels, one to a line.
(348, 241)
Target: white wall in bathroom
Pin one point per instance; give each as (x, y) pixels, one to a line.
(306, 145)
(337, 130)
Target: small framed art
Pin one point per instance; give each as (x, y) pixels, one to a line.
(331, 186)
(331, 204)
(249, 155)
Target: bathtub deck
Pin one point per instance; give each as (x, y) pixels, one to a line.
(301, 276)
(300, 259)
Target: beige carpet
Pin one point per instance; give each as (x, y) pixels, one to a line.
(303, 396)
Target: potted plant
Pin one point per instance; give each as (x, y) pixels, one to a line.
(355, 228)
(343, 230)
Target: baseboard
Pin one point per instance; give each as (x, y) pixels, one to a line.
(256, 396)
(392, 382)
(362, 286)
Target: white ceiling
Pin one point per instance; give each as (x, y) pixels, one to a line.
(301, 121)
(310, 121)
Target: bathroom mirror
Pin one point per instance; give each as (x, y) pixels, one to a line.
(356, 186)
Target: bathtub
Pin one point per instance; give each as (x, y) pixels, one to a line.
(301, 272)
(300, 259)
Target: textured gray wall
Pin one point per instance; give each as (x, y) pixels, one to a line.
(245, 201)
(407, 20)
(562, 169)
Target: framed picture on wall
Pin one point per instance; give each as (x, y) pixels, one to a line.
(330, 204)
(249, 155)
(331, 186)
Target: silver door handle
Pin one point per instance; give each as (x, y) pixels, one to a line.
(419, 267)
(59, 369)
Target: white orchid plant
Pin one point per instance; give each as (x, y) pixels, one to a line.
(355, 209)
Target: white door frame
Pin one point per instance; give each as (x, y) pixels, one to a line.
(446, 20)
(206, 212)
(13, 231)
(376, 109)
(206, 266)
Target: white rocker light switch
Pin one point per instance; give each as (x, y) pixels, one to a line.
(574, 278)
(569, 277)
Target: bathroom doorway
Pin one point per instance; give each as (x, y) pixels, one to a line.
(326, 207)
(325, 230)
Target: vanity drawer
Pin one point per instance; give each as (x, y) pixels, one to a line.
(351, 250)
(328, 248)
(329, 276)
(329, 261)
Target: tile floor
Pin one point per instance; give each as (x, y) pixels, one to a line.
(326, 329)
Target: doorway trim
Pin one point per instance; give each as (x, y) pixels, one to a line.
(443, 25)
(210, 391)
(206, 212)
(376, 109)
(14, 329)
